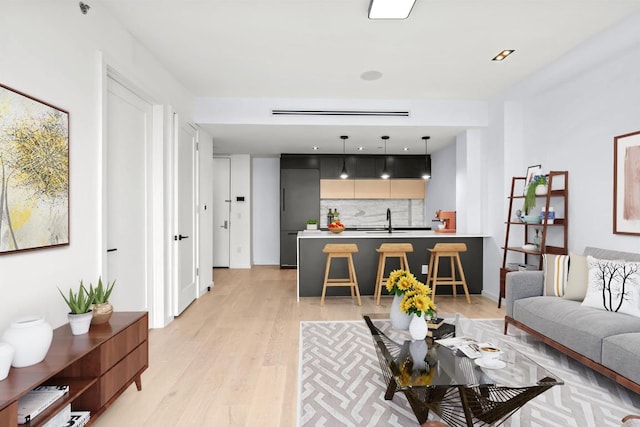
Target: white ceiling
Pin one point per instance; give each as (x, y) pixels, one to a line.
(319, 49)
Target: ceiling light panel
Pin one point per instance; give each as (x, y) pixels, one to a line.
(390, 9)
(503, 55)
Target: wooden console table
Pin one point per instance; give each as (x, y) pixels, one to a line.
(97, 367)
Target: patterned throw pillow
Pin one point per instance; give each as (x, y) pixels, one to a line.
(613, 286)
(578, 279)
(556, 270)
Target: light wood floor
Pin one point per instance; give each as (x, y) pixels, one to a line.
(231, 359)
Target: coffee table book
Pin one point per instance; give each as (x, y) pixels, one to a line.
(37, 400)
(78, 419)
(435, 323)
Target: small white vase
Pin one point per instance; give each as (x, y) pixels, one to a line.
(30, 337)
(418, 327)
(6, 357)
(80, 323)
(399, 319)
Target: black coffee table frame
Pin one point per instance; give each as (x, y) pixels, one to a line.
(456, 404)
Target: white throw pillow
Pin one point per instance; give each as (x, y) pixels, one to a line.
(613, 286)
(556, 269)
(578, 279)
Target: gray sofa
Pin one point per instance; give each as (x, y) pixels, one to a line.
(607, 342)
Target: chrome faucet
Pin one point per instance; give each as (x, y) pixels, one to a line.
(389, 218)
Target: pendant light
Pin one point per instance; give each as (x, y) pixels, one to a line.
(385, 172)
(427, 169)
(344, 174)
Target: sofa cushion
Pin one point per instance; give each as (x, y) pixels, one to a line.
(568, 322)
(620, 353)
(613, 286)
(578, 279)
(556, 269)
(609, 254)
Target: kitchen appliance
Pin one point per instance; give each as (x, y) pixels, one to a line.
(447, 221)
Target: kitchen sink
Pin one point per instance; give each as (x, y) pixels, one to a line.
(384, 232)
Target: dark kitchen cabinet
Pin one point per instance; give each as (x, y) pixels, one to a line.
(331, 166)
(299, 201)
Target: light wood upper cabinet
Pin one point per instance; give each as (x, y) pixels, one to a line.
(407, 188)
(372, 189)
(336, 188)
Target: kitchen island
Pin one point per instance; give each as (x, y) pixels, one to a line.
(311, 260)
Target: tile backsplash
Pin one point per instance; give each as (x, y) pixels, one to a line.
(373, 212)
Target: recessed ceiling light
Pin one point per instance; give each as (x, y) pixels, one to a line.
(503, 55)
(405, 148)
(360, 148)
(315, 148)
(371, 75)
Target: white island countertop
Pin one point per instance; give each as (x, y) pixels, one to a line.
(377, 234)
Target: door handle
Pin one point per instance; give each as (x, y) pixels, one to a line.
(180, 237)
(112, 250)
(284, 204)
(225, 225)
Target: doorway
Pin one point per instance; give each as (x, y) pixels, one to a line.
(186, 225)
(221, 212)
(129, 120)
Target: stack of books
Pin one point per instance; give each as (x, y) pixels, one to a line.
(439, 329)
(37, 400)
(40, 398)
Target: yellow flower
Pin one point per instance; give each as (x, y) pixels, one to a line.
(405, 283)
(422, 303)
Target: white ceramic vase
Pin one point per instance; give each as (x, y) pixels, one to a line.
(418, 327)
(30, 337)
(6, 357)
(80, 323)
(398, 318)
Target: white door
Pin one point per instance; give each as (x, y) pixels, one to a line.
(129, 122)
(221, 210)
(186, 233)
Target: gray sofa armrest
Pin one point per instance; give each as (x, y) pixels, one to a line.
(522, 284)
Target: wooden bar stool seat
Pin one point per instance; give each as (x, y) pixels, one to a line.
(341, 250)
(451, 251)
(390, 250)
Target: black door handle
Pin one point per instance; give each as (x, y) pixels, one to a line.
(180, 237)
(112, 250)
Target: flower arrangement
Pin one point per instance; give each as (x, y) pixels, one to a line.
(416, 295)
(399, 282)
(530, 195)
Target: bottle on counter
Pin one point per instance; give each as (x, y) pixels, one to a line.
(329, 217)
(336, 215)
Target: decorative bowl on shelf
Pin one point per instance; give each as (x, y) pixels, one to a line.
(336, 230)
(532, 219)
(529, 247)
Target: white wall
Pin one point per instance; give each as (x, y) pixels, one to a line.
(49, 50)
(266, 211)
(441, 188)
(565, 117)
(240, 232)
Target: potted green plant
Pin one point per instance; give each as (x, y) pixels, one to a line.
(101, 308)
(312, 224)
(80, 309)
(530, 196)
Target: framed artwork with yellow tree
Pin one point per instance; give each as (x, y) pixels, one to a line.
(34, 173)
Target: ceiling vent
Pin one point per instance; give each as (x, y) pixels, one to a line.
(340, 113)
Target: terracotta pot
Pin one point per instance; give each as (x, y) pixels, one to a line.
(101, 313)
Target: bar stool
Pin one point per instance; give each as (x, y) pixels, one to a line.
(390, 250)
(341, 250)
(451, 251)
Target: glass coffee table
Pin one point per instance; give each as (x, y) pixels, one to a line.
(461, 391)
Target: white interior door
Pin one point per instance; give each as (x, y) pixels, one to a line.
(129, 121)
(186, 233)
(221, 210)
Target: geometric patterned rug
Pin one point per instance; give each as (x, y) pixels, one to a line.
(340, 382)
